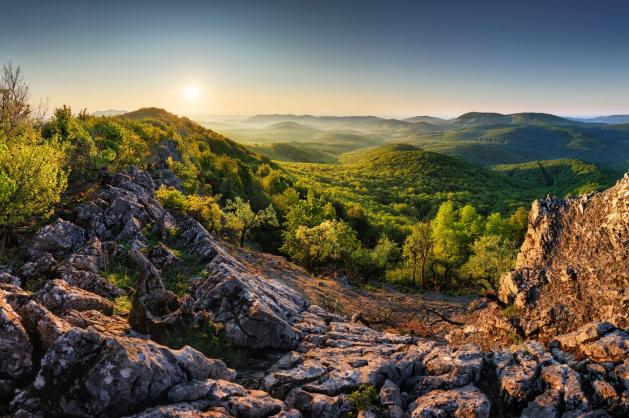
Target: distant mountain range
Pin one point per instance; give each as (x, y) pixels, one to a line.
(613, 119)
(480, 137)
(109, 112)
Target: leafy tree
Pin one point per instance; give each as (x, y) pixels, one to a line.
(449, 243)
(307, 212)
(418, 247)
(32, 178)
(206, 210)
(384, 252)
(330, 240)
(71, 131)
(273, 182)
(492, 256)
(243, 218)
(470, 224)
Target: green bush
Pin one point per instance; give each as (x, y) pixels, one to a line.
(172, 199)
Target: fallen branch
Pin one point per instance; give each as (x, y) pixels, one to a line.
(442, 317)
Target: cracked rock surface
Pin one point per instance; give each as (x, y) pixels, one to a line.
(63, 352)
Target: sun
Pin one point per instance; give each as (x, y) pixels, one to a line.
(192, 91)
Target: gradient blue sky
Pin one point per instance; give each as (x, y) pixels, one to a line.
(394, 58)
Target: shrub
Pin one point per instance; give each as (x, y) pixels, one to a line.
(32, 178)
(172, 199)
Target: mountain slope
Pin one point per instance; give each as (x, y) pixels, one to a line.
(504, 144)
(560, 177)
(398, 183)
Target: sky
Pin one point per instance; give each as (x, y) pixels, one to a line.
(388, 58)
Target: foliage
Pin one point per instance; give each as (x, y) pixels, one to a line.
(492, 256)
(209, 338)
(560, 177)
(177, 276)
(32, 178)
(395, 186)
(384, 252)
(365, 398)
(243, 218)
(418, 247)
(187, 172)
(206, 210)
(331, 240)
(172, 199)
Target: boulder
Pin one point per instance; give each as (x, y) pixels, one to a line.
(518, 378)
(256, 312)
(198, 409)
(59, 296)
(89, 374)
(96, 320)
(16, 351)
(563, 381)
(463, 402)
(313, 405)
(42, 325)
(7, 278)
(151, 301)
(59, 239)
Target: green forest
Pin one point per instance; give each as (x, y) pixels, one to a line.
(378, 213)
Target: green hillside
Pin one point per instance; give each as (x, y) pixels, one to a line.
(399, 183)
(517, 143)
(303, 152)
(560, 177)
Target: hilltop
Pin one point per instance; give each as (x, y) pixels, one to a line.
(401, 181)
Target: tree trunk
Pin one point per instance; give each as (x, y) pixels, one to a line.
(422, 276)
(414, 269)
(243, 233)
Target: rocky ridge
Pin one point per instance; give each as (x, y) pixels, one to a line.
(572, 267)
(64, 353)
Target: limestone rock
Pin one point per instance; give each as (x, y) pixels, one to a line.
(572, 267)
(16, 351)
(88, 374)
(256, 312)
(162, 256)
(58, 296)
(198, 409)
(464, 402)
(42, 325)
(96, 320)
(59, 238)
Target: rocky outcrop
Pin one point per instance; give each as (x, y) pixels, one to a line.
(572, 267)
(241, 299)
(88, 374)
(64, 353)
